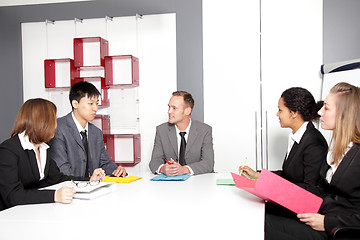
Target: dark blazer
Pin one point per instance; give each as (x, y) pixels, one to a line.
(68, 151)
(305, 159)
(341, 205)
(19, 176)
(199, 154)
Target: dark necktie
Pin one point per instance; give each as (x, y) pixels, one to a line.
(182, 149)
(85, 142)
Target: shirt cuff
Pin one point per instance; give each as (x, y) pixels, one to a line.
(191, 171)
(158, 170)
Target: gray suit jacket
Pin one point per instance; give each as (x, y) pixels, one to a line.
(67, 149)
(199, 155)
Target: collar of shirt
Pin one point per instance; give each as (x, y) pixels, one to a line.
(296, 137)
(27, 145)
(300, 132)
(79, 127)
(333, 167)
(187, 130)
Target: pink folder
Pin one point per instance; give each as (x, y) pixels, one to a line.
(272, 187)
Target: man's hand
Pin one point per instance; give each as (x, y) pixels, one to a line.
(120, 172)
(174, 168)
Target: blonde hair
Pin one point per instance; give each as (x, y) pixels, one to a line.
(347, 125)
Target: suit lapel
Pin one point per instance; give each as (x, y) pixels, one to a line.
(345, 163)
(173, 138)
(33, 164)
(292, 152)
(74, 132)
(91, 142)
(295, 146)
(192, 136)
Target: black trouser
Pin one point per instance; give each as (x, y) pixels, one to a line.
(287, 228)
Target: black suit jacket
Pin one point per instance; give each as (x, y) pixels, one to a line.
(341, 205)
(19, 176)
(305, 159)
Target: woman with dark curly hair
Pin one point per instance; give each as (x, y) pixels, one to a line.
(307, 148)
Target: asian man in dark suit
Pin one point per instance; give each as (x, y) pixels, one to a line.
(78, 147)
(182, 145)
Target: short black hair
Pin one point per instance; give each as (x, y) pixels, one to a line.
(82, 89)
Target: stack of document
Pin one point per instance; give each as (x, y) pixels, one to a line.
(88, 192)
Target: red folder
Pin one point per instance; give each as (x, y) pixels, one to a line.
(272, 187)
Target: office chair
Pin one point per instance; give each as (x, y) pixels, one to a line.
(346, 233)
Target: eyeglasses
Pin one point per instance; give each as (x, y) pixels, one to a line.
(82, 184)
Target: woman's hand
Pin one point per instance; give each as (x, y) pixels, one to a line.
(249, 173)
(314, 220)
(64, 195)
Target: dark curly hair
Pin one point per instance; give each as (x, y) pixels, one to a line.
(300, 100)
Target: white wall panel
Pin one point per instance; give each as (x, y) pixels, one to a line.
(240, 94)
(34, 52)
(95, 27)
(231, 79)
(152, 39)
(157, 56)
(123, 31)
(60, 33)
(291, 52)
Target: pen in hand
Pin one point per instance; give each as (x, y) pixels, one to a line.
(243, 166)
(167, 161)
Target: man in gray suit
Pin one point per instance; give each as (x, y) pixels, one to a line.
(78, 146)
(182, 145)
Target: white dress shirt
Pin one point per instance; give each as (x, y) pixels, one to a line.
(79, 127)
(333, 166)
(27, 145)
(187, 130)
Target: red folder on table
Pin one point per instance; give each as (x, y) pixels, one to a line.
(273, 188)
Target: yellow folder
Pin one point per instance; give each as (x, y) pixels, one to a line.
(127, 179)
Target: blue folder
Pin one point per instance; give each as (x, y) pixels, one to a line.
(163, 177)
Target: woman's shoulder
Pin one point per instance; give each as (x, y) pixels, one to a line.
(313, 136)
(13, 144)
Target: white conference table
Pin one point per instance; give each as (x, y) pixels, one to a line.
(144, 209)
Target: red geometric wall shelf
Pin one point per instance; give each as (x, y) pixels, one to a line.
(124, 149)
(91, 63)
(102, 122)
(59, 72)
(90, 51)
(122, 70)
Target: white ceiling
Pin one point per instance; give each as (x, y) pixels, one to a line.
(4, 3)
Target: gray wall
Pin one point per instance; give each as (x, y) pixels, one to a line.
(189, 43)
(341, 30)
(341, 40)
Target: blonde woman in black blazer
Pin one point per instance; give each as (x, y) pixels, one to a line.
(339, 185)
(302, 163)
(24, 164)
